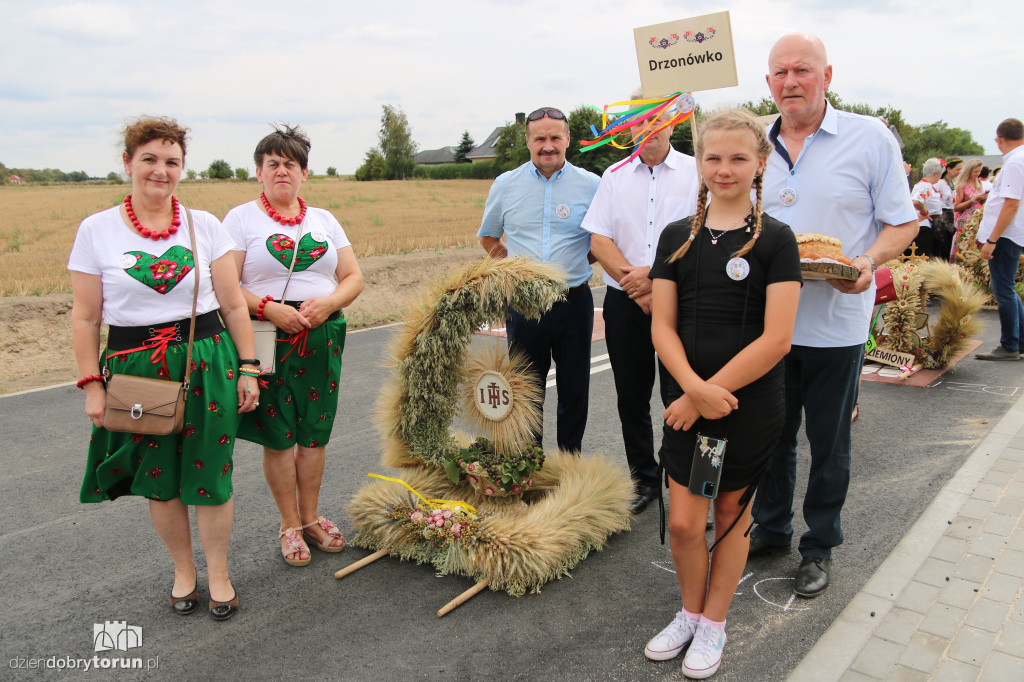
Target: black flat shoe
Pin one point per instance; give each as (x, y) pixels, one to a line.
(812, 577)
(222, 610)
(644, 496)
(759, 547)
(185, 605)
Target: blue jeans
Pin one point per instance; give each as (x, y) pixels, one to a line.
(822, 384)
(1003, 271)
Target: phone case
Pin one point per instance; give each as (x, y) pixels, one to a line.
(706, 471)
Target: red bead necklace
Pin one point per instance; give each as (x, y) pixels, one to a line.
(155, 235)
(274, 215)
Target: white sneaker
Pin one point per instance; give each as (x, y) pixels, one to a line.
(668, 643)
(705, 654)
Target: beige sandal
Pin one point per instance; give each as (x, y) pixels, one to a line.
(294, 545)
(332, 534)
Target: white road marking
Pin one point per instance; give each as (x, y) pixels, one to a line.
(593, 370)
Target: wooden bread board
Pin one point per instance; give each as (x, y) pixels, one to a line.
(829, 271)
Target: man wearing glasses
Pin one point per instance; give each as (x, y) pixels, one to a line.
(538, 207)
(631, 209)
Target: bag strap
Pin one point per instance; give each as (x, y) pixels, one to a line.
(195, 298)
(295, 255)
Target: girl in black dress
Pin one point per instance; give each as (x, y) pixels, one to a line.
(726, 288)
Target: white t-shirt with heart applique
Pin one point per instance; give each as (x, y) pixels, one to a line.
(147, 282)
(269, 247)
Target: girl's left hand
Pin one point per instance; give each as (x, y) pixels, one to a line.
(682, 413)
(248, 393)
(714, 402)
(316, 311)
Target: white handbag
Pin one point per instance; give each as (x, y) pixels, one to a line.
(264, 333)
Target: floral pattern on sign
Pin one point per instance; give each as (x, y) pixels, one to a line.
(664, 43)
(700, 36)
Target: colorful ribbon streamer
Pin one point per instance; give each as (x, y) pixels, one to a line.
(643, 113)
(435, 503)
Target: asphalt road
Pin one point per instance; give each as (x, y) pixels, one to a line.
(68, 566)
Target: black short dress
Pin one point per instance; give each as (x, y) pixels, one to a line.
(710, 320)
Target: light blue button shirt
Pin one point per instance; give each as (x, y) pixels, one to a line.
(540, 217)
(848, 182)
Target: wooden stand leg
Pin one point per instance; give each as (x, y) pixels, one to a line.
(352, 568)
(463, 598)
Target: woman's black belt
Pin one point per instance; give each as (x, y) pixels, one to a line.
(124, 338)
(295, 304)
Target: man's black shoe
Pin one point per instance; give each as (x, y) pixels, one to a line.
(759, 547)
(812, 576)
(644, 496)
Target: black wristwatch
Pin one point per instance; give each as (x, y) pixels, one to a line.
(254, 362)
(989, 241)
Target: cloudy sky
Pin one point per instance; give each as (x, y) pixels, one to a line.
(73, 71)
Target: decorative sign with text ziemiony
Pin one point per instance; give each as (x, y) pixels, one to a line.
(686, 55)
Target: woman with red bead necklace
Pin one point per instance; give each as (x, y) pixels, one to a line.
(300, 399)
(133, 267)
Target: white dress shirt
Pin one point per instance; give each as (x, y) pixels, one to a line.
(635, 203)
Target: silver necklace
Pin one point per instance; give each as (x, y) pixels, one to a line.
(716, 237)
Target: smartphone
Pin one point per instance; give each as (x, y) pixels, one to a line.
(706, 470)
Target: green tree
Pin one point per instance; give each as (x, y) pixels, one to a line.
(115, 177)
(597, 160)
(204, 174)
(190, 174)
(220, 170)
(510, 150)
(373, 166)
(241, 174)
(937, 139)
(332, 171)
(466, 145)
(396, 144)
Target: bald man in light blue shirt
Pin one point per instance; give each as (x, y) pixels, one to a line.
(838, 174)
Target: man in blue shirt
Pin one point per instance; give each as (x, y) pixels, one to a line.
(838, 174)
(538, 207)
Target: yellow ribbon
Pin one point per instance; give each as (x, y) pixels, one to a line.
(432, 503)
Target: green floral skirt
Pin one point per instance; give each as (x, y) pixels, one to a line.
(195, 464)
(298, 404)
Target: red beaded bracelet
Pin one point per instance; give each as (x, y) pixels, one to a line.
(263, 303)
(92, 377)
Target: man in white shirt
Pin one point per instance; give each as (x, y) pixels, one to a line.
(839, 174)
(1001, 234)
(631, 208)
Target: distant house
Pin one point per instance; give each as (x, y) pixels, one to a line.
(487, 150)
(15, 179)
(431, 157)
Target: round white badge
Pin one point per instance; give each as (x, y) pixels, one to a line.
(685, 103)
(492, 396)
(128, 261)
(562, 211)
(737, 269)
(318, 236)
(787, 196)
